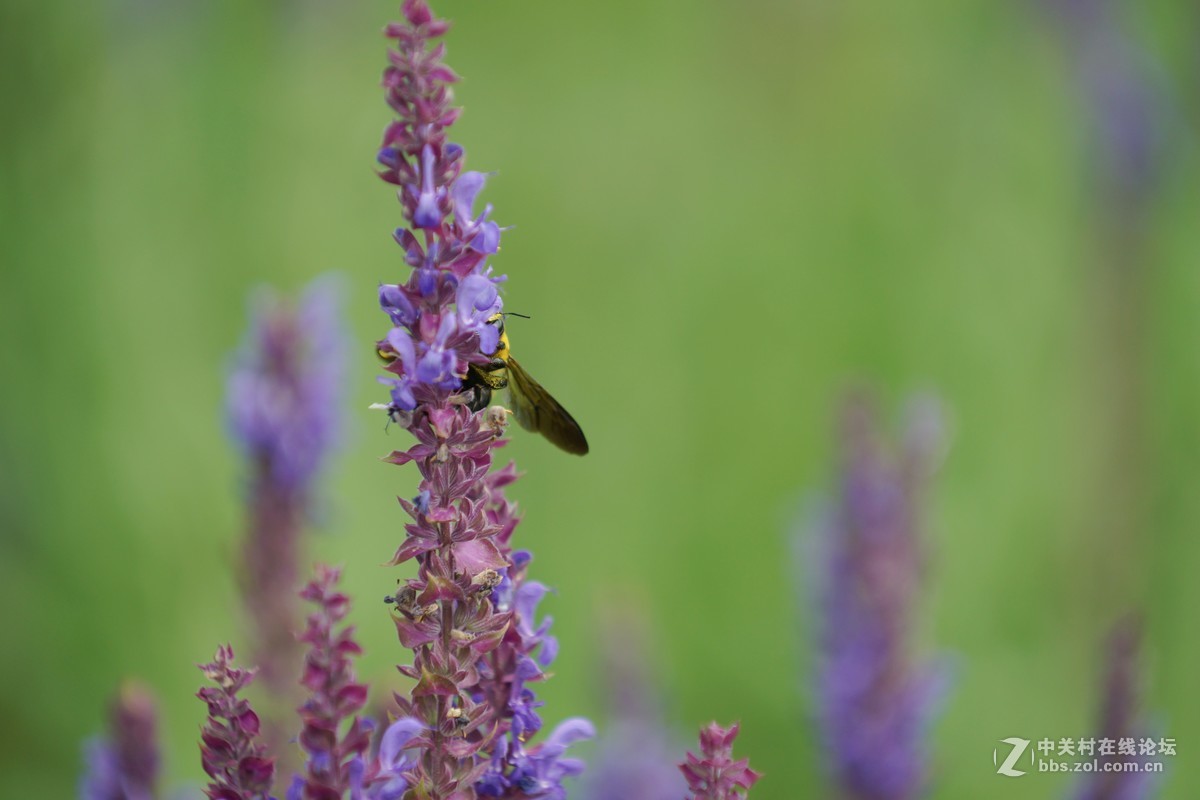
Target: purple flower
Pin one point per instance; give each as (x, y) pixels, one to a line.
(437, 366)
(401, 345)
(520, 658)
(285, 390)
(396, 759)
(1121, 721)
(634, 760)
(476, 301)
(229, 749)
(482, 234)
(284, 405)
(535, 636)
(126, 765)
(635, 755)
(714, 774)
(875, 701)
(518, 769)
(1121, 85)
(395, 302)
(518, 772)
(102, 773)
(539, 772)
(428, 213)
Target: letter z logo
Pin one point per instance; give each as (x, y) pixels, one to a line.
(1018, 750)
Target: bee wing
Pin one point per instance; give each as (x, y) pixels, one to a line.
(537, 411)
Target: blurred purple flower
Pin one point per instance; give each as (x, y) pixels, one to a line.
(126, 765)
(875, 701)
(102, 774)
(1121, 722)
(1122, 86)
(634, 760)
(635, 755)
(286, 387)
(284, 404)
(714, 774)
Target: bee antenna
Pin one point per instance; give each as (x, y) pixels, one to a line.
(515, 314)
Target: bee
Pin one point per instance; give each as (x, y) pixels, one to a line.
(532, 405)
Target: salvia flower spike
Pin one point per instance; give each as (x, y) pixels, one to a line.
(469, 614)
(334, 737)
(230, 751)
(635, 755)
(876, 700)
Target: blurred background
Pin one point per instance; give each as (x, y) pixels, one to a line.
(726, 213)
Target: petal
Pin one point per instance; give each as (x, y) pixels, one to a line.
(435, 366)
(489, 339)
(402, 343)
(528, 597)
(566, 734)
(427, 213)
(393, 300)
(396, 738)
(527, 669)
(488, 238)
(464, 192)
(402, 396)
(476, 292)
(446, 328)
(548, 652)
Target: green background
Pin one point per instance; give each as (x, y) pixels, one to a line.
(725, 214)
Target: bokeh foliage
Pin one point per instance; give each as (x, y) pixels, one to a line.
(725, 213)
